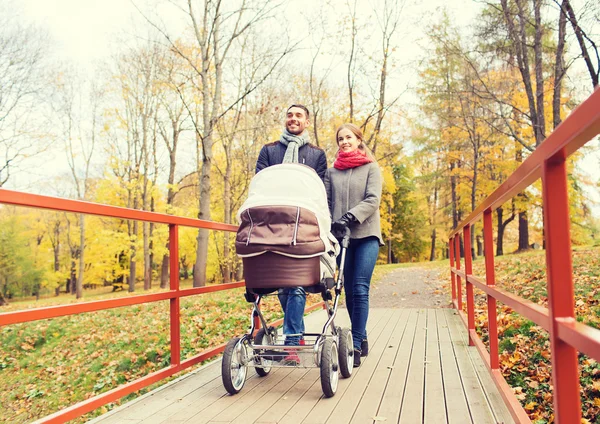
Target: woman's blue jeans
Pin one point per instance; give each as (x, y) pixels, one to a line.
(361, 257)
(293, 301)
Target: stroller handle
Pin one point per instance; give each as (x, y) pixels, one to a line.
(346, 238)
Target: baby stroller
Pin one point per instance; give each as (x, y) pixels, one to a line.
(284, 241)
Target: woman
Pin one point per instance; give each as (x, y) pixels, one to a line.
(354, 192)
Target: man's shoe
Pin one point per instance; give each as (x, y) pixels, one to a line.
(364, 347)
(291, 359)
(357, 354)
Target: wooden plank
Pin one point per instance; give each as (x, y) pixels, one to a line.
(369, 404)
(495, 400)
(229, 407)
(213, 402)
(347, 405)
(152, 403)
(435, 404)
(478, 404)
(313, 401)
(456, 402)
(276, 412)
(391, 401)
(279, 391)
(191, 403)
(323, 408)
(412, 401)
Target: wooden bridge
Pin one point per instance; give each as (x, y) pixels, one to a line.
(419, 370)
(422, 367)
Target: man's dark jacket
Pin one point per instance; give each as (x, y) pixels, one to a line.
(309, 154)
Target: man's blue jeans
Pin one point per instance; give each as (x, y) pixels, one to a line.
(293, 301)
(361, 257)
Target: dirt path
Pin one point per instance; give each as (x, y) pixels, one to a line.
(413, 287)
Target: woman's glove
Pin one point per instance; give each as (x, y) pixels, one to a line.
(339, 226)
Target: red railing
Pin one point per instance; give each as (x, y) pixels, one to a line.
(173, 294)
(567, 336)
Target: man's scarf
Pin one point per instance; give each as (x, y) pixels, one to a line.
(293, 143)
(346, 160)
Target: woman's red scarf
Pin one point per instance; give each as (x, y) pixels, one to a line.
(346, 160)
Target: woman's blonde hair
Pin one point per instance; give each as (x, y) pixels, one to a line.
(359, 135)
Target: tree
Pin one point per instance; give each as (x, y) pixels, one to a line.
(171, 124)
(585, 42)
(19, 274)
(79, 144)
(138, 92)
(217, 27)
(23, 91)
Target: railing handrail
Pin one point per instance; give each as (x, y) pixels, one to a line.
(17, 198)
(579, 128)
(567, 336)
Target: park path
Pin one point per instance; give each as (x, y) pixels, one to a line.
(410, 287)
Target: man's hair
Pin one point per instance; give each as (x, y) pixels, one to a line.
(304, 108)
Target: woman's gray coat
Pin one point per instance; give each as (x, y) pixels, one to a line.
(358, 191)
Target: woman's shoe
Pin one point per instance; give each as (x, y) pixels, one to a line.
(357, 355)
(364, 347)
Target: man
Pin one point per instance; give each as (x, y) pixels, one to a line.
(293, 147)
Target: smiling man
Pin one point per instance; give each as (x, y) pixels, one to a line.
(294, 144)
(293, 147)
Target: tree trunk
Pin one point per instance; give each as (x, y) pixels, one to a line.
(79, 288)
(164, 271)
(540, 130)
(479, 245)
(501, 227)
(523, 231)
(351, 60)
(594, 73)
(559, 65)
(226, 270)
(132, 261)
(454, 196)
(147, 269)
(202, 239)
(433, 239)
(73, 279)
(56, 251)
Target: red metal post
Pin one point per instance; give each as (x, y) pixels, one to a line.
(469, 271)
(174, 285)
(565, 374)
(458, 283)
(490, 279)
(452, 276)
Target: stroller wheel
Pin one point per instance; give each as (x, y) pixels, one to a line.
(233, 367)
(329, 368)
(346, 353)
(263, 338)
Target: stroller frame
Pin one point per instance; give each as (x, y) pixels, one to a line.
(332, 348)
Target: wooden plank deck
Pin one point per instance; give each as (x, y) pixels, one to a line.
(419, 370)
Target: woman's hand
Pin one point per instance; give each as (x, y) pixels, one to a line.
(338, 228)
